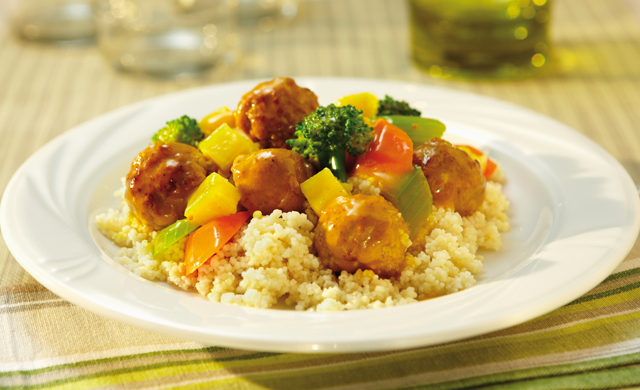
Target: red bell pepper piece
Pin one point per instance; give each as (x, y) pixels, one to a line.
(390, 152)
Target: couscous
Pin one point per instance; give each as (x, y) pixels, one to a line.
(274, 257)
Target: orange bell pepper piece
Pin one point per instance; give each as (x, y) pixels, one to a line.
(390, 152)
(210, 238)
(490, 168)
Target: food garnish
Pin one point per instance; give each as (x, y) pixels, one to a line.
(419, 129)
(224, 144)
(391, 106)
(171, 234)
(388, 162)
(184, 130)
(215, 197)
(370, 207)
(210, 238)
(330, 132)
(216, 119)
(322, 189)
(366, 102)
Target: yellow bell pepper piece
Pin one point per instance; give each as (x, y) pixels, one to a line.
(215, 197)
(367, 102)
(211, 122)
(225, 144)
(322, 188)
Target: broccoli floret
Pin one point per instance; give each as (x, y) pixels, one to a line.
(184, 130)
(328, 132)
(390, 106)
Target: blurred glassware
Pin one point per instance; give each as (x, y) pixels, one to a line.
(54, 20)
(265, 14)
(480, 39)
(166, 37)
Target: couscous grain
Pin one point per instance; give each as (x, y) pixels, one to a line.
(271, 261)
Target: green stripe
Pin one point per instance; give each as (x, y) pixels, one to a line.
(133, 370)
(564, 315)
(432, 360)
(605, 298)
(167, 369)
(585, 375)
(618, 377)
(561, 377)
(563, 331)
(547, 342)
(173, 371)
(87, 363)
(239, 383)
(607, 293)
(618, 275)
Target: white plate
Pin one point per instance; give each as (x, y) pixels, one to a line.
(574, 217)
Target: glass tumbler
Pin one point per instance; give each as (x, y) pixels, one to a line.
(165, 37)
(480, 39)
(54, 20)
(266, 14)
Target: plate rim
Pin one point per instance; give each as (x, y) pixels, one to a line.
(277, 345)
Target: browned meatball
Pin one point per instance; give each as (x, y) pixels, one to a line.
(161, 179)
(270, 112)
(362, 232)
(269, 179)
(455, 179)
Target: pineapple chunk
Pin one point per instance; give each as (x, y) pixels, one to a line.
(215, 197)
(225, 144)
(322, 188)
(211, 122)
(365, 101)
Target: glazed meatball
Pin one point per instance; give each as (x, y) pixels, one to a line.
(161, 179)
(270, 112)
(269, 179)
(455, 179)
(362, 232)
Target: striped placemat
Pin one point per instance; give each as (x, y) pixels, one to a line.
(591, 343)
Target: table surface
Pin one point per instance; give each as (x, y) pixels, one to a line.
(593, 86)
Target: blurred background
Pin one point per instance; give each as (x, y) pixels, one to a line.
(591, 80)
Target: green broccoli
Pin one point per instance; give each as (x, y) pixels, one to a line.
(184, 130)
(329, 132)
(390, 106)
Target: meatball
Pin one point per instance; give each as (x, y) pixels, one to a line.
(362, 232)
(161, 179)
(269, 179)
(455, 179)
(270, 112)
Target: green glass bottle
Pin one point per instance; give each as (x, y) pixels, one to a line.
(480, 39)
